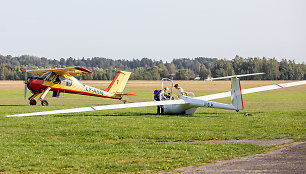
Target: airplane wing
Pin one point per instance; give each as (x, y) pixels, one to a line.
(73, 71)
(155, 103)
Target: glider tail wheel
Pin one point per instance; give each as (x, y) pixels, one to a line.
(44, 103)
(32, 102)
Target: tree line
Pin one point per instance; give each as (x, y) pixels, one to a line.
(148, 69)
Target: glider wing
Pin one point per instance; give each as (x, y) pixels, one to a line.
(252, 90)
(105, 107)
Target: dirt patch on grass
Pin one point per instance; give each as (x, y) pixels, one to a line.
(261, 142)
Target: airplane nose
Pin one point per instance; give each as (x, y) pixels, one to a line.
(34, 84)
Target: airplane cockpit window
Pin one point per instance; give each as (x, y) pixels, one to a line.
(50, 77)
(45, 75)
(76, 81)
(64, 81)
(57, 80)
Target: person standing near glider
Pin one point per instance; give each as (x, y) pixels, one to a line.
(159, 95)
(179, 90)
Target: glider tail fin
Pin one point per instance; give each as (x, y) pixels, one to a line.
(236, 97)
(119, 82)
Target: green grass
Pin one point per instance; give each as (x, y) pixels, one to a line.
(132, 140)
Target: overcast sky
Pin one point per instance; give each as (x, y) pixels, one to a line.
(157, 29)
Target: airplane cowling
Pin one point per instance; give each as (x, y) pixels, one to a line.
(35, 84)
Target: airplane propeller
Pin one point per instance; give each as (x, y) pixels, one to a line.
(25, 83)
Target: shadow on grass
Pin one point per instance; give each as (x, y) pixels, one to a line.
(226, 113)
(126, 114)
(108, 114)
(13, 105)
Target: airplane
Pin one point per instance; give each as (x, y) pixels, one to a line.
(62, 80)
(185, 104)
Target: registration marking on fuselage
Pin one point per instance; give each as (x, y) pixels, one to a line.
(93, 90)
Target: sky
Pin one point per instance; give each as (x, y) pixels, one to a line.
(156, 29)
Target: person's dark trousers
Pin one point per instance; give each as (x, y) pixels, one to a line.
(160, 109)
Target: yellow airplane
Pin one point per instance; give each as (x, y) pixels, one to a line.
(63, 80)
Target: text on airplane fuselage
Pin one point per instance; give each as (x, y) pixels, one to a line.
(93, 90)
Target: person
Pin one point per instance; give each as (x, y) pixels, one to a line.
(161, 97)
(179, 90)
(57, 80)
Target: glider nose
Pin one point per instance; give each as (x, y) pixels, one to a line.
(34, 84)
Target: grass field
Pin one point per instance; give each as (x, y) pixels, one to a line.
(136, 140)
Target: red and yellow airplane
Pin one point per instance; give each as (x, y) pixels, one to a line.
(63, 80)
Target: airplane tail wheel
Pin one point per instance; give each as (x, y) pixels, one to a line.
(32, 102)
(44, 103)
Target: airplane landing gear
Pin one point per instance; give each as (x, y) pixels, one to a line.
(44, 103)
(124, 101)
(32, 102)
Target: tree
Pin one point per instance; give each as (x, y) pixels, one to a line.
(163, 71)
(172, 68)
(203, 73)
(283, 70)
(182, 74)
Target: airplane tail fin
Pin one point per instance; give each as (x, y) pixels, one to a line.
(119, 82)
(236, 97)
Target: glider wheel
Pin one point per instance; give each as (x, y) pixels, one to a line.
(32, 102)
(44, 103)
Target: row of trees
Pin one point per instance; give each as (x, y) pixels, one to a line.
(148, 69)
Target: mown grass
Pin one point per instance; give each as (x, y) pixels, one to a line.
(133, 140)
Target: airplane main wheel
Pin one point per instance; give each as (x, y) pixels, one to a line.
(44, 103)
(32, 102)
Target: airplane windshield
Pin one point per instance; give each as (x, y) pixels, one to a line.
(45, 75)
(76, 80)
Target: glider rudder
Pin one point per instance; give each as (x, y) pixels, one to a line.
(236, 97)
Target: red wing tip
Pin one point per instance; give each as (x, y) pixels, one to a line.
(280, 86)
(83, 69)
